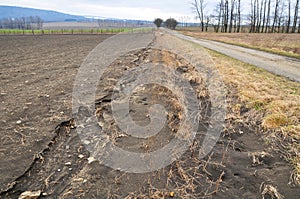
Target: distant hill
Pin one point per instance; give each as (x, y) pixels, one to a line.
(46, 15)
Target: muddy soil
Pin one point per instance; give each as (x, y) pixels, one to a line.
(241, 164)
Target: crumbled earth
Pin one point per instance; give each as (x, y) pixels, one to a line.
(44, 153)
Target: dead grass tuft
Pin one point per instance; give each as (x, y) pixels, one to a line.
(269, 191)
(275, 98)
(274, 121)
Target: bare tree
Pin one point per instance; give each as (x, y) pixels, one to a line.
(198, 6)
(281, 17)
(275, 19)
(295, 16)
(39, 22)
(231, 15)
(288, 24)
(100, 23)
(264, 17)
(219, 9)
(268, 17)
(207, 20)
(239, 16)
(225, 16)
(253, 16)
(260, 17)
(299, 27)
(22, 23)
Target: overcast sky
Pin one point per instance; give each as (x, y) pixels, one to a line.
(129, 9)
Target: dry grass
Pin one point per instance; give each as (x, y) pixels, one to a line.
(270, 191)
(275, 97)
(284, 44)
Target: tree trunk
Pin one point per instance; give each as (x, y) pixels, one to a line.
(257, 16)
(282, 18)
(231, 15)
(239, 16)
(264, 17)
(275, 20)
(198, 5)
(268, 17)
(220, 15)
(253, 16)
(295, 17)
(260, 16)
(226, 16)
(289, 18)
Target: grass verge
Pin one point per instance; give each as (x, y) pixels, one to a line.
(275, 97)
(281, 44)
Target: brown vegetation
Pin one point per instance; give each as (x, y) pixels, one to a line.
(275, 98)
(285, 44)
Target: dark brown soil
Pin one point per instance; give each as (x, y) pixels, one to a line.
(37, 156)
(36, 80)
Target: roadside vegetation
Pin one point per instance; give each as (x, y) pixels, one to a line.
(282, 44)
(276, 101)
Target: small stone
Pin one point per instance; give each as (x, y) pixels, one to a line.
(91, 159)
(58, 170)
(81, 156)
(86, 142)
(68, 163)
(30, 195)
(172, 194)
(19, 122)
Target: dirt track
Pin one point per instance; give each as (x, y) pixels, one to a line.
(280, 65)
(240, 165)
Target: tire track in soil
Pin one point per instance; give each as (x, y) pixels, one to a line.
(236, 168)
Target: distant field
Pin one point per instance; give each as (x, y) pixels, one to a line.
(70, 25)
(92, 25)
(69, 31)
(284, 44)
(81, 28)
(62, 31)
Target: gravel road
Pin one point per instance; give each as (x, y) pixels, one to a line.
(280, 65)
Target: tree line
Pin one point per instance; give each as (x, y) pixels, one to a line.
(170, 23)
(264, 16)
(22, 23)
